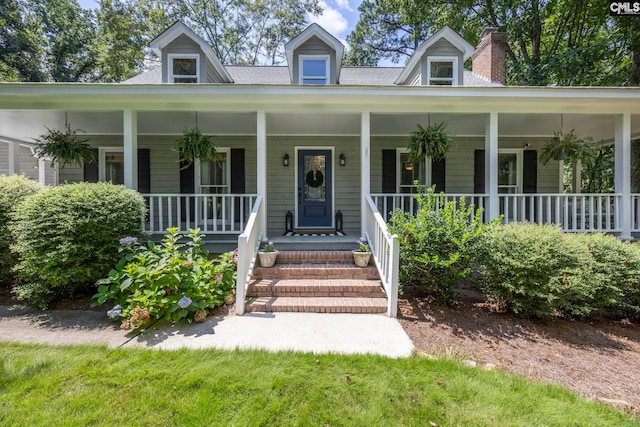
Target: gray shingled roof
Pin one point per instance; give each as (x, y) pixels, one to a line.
(279, 75)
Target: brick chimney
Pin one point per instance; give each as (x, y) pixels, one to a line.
(489, 57)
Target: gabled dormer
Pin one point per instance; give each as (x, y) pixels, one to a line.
(438, 61)
(187, 57)
(314, 57)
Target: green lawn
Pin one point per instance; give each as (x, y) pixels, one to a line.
(82, 385)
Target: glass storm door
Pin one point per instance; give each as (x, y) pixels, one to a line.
(315, 189)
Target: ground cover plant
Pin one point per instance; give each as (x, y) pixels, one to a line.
(174, 279)
(13, 189)
(66, 237)
(539, 271)
(437, 243)
(97, 386)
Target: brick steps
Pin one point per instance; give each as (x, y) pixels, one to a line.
(317, 282)
(316, 288)
(317, 305)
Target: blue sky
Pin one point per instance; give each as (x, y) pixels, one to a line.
(339, 17)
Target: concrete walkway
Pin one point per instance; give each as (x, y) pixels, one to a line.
(305, 332)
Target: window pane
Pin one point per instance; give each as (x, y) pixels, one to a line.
(442, 69)
(314, 81)
(185, 80)
(507, 170)
(213, 175)
(314, 182)
(410, 173)
(114, 167)
(314, 67)
(184, 67)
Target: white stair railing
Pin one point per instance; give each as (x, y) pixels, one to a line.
(248, 244)
(385, 249)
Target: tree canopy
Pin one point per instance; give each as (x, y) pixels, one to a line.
(551, 42)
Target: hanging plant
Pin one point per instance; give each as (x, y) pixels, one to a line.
(433, 141)
(64, 147)
(565, 146)
(192, 144)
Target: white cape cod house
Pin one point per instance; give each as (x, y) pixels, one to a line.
(327, 142)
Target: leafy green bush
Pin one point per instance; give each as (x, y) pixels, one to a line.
(13, 189)
(169, 280)
(67, 237)
(437, 243)
(539, 271)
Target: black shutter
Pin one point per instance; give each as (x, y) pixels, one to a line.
(530, 171)
(144, 170)
(389, 160)
(238, 179)
(187, 186)
(438, 174)
(237, 171)
(530, 180)
(478, 171)
(90, 170)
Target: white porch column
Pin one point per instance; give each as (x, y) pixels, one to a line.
(130, 149)
(491, 166)
(14, 158)
(623, 172)
(365, 168)
(261, 172)
(42, 173)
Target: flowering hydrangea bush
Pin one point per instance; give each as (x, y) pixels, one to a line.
(169, 280)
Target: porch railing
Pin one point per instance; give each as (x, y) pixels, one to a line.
(385, 250)
(248, 244)
(572, 212)
(211, 213)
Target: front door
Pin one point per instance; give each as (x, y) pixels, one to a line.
(315, 189)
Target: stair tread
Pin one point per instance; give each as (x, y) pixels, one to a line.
(317, 282)
(317, 304)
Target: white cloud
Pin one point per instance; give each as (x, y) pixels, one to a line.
(344, 4)
(331, 20)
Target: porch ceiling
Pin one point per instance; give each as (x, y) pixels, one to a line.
(24, 125)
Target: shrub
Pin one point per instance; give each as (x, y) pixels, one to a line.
(67, 237)
(13, 189)
(437, 243)
(539, 271)
(169, 280)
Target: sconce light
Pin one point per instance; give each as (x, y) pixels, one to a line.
(408, 166)
(343, 160)
(285, 159)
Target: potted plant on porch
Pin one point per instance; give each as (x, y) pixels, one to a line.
(64, 147)
(565, 146)
(433, 141)
(362, 255)
(268, 254)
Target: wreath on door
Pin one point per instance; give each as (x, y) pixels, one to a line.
(314, 178)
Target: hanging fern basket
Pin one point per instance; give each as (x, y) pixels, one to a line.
(64, 147)
(433, 141)
(565, 146)
(192, 144)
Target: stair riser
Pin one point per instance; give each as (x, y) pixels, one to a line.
(314, 309)
(315, 273)
(278, 293)
(315, 257)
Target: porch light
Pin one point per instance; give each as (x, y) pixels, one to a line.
(343, 160)
(285, 159)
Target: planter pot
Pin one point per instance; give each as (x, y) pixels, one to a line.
(267, 259)
(361, 258)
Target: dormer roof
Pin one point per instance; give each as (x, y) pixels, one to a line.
(178, 29)
(319, 32)
(447, 33)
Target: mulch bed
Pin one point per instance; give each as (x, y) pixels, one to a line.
(597, 359)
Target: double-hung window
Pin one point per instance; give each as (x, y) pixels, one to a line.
(442, 71)
(510, 171)
(184, 68)
(111, 165)
(314, 69)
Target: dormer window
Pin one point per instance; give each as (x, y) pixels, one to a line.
(184, 68)
(442, 71)
(314, 69)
